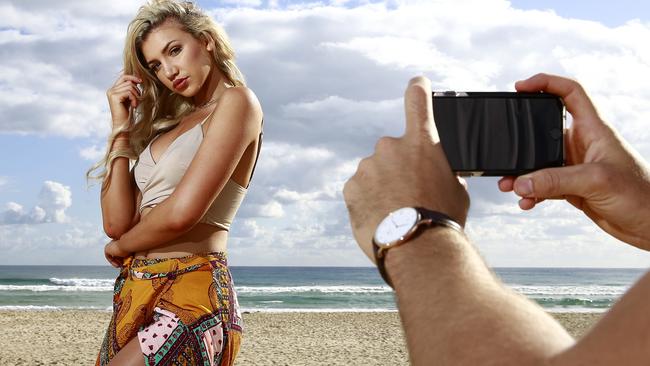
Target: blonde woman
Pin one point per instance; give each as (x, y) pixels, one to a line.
(182, 112)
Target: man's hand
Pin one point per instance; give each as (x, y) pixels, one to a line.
(604, 177)
(408, 171)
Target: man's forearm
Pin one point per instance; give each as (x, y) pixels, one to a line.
(455, 311)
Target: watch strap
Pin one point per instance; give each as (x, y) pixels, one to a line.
(428, 219)
(380, 259)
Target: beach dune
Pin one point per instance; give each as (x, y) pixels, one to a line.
(71, 337)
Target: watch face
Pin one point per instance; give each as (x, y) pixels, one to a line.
(397, 224)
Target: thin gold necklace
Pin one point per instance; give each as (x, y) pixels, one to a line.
(208, 103)
(211, 101)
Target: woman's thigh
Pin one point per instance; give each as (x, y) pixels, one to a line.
(129, 355)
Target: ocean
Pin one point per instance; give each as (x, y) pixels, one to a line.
(318, 289)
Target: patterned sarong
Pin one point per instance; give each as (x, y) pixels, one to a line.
(183, 311)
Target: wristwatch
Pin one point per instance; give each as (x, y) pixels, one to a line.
(402, 225)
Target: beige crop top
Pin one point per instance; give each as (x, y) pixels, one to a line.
(157, 180)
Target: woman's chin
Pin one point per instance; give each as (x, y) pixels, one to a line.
(183, 93)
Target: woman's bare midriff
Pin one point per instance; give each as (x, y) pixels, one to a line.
(202, 238)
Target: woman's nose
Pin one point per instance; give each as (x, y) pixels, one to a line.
(170, 71)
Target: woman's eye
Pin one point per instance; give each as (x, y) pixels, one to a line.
(154, 67)
(175, 51)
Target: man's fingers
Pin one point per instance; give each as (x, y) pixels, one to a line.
(575, 98)
(576, 180)
(506, 184)
(527, 203)
(462, 182)
(419, 108)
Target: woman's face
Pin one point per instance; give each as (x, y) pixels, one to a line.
(180, 61)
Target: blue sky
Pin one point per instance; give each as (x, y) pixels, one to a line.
(610, 13)
(330, 76)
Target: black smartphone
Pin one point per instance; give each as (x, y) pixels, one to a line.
(500, 133)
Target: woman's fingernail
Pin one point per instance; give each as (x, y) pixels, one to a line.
(524, 186)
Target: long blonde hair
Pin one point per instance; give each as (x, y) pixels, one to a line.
(159, 108)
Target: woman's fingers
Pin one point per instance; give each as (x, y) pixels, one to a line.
(124, 78)
(127, 92)
(130, 83)
(126, 86)
(110, 260)
(122, 95)
(116, 262)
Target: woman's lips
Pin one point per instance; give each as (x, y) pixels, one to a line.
(180, 83)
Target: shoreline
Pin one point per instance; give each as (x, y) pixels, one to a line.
(73, 337)
(46, 308)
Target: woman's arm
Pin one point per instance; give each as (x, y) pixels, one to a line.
(118, 188)
(117, 194)
(233, 127)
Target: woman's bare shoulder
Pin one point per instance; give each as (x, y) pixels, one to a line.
(240, 98)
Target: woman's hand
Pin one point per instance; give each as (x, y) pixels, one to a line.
(123, 95)
(114, 255)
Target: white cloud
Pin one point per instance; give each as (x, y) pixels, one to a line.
(81, 235)
(457, 48)
(346, 73)
(282, 168)
(92, 153)
(568, 240)
(58, 60)
(271, 209)
(249, 3)
(53, 200)
(57, 103)
(69, 243)
(246, 229)
(287, 196)
(13, 213)
(330, 76)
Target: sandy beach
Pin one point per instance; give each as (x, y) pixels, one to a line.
(73, 337)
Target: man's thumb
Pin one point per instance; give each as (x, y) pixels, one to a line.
(554, 182)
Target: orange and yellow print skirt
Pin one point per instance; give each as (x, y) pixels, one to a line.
(183, 311)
